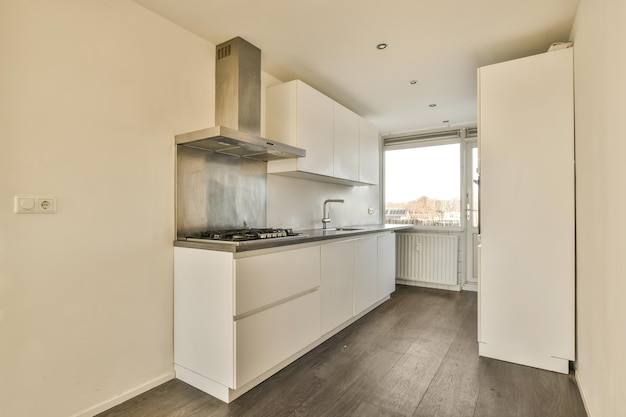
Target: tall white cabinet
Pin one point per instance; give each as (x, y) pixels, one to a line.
(526, 141)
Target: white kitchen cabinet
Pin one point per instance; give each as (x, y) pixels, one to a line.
(365, 273)
(265, 339)
(269, 278)
(386, 264)
(526, 143)
(337, 283)
(346, 143)
(203, 314)
(277, 308)
(356, 274)
(240, 317)
(369, 153)
(298, 115)
(334, 137)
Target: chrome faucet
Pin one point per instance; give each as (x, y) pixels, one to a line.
(326, 212)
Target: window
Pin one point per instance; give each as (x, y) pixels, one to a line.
(423, 185)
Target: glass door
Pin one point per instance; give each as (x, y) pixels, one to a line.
(472, 215)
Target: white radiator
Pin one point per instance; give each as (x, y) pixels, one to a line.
(429, 258)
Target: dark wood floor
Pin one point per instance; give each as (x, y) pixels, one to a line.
(414, 356)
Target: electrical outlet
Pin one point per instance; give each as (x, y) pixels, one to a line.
(46, 205)
(370, 210)
(35, 204)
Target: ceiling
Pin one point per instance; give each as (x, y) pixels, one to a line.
(331, 45)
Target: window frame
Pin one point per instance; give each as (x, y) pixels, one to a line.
(437, 138)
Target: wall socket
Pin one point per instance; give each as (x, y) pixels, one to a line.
(35, 204)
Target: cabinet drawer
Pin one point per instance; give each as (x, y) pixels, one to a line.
(265, 339)
(266, 279)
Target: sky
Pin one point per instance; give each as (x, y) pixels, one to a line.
(432, 171)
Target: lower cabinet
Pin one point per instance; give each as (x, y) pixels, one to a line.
(203, 319)
(386, 264)
(277, 308)
(239, 317)
(365, 273)
(337, 283)
(265, 339)
(261, 280)
(356, 274)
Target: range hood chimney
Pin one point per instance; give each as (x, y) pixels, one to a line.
(238, 86)
(238, 108)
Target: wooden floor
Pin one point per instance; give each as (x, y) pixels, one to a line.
(415, 355)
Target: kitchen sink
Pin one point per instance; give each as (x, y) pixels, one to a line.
(345, 229)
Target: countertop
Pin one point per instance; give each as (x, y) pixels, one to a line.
(306, 236)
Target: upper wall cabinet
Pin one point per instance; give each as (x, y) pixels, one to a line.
(369, 151)
(339, 149)
(301, 115)
(345, 143)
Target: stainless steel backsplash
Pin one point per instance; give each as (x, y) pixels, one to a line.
(215, 191)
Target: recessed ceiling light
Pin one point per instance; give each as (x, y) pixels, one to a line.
(446, 121)
(432, 105)
(413, 82)
(381, 46)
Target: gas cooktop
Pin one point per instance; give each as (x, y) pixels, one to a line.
(243, 235)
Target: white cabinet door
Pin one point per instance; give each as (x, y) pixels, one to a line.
(386, 264)
(269, 337)
(281, 113)
(527, 210)
(264, 279)
(346, 143)
(365, 273)
(369, 153)
(337, 281)
(301, 116)
(315, 130)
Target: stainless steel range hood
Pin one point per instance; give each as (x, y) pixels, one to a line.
(238, 108)
(227, 141)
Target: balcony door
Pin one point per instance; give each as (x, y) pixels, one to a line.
(472, 188)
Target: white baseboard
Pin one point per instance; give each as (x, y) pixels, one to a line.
(217, 390)
(127, 395)
(583, 394)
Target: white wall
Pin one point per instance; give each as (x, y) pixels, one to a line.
(600, 86)
(91, 95)
(297, 203)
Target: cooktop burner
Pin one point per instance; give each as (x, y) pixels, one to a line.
(239, 235)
